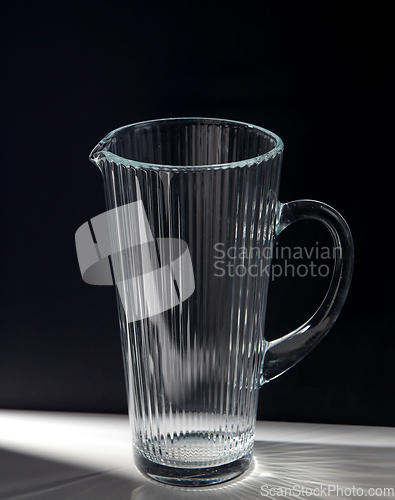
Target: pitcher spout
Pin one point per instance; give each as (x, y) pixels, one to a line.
(102, 151)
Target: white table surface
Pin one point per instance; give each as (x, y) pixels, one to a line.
(56, 456)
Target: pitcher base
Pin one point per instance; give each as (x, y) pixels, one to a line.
(204, 476)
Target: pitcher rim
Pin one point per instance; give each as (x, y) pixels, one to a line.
(99, 153)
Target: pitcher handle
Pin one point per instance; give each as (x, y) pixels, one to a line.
(283, 353)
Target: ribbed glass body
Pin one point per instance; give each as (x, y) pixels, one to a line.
(187, 240)
(193, 357)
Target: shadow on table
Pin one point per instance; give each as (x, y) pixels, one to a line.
(279, 470)
(30, 477)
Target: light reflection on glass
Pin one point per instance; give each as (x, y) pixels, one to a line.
(289, 469)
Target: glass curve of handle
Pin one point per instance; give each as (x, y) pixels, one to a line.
(283, 353)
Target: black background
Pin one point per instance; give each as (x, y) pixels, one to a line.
(315, 73)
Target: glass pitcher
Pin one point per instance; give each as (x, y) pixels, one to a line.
(187, 240)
